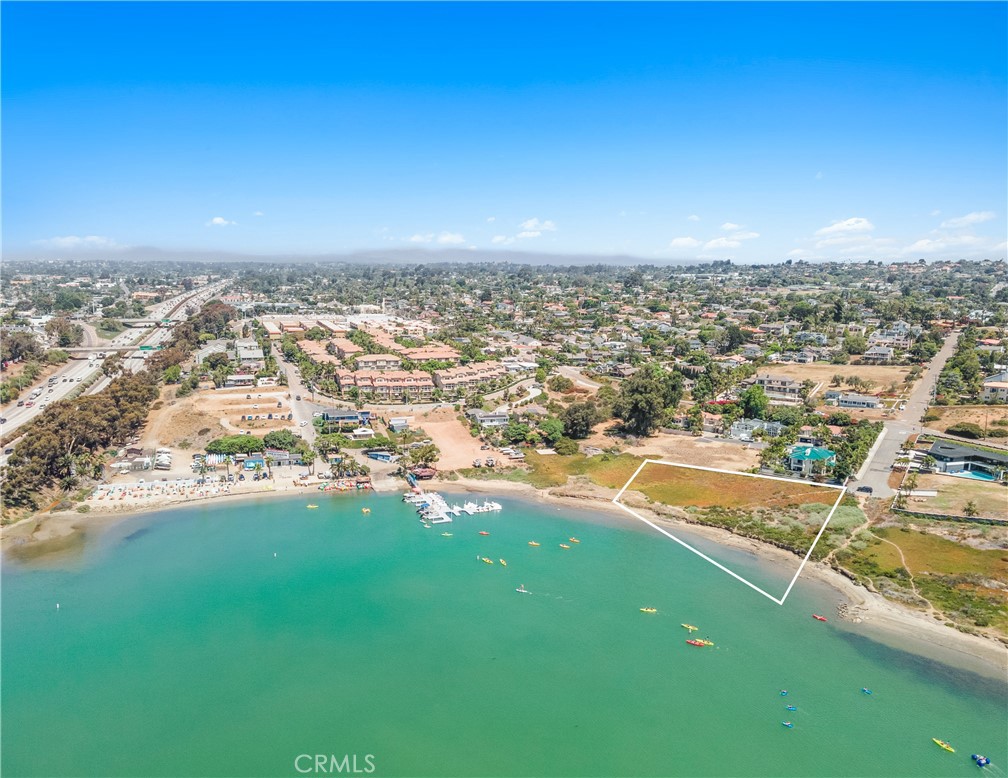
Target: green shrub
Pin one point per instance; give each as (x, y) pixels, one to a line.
(966, 429)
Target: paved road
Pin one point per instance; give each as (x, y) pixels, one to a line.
(907, 423)
(577, 377)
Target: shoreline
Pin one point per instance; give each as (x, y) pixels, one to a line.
(875, 617)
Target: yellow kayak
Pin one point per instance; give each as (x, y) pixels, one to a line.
(312, 506)
(944, 745)
(365, 510)
(503, 562)
(564, 545)
(690, 627)
(574, 540)
(648, 610)
(707, 642)
(533, 543)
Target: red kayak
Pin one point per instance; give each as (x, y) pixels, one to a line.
(484, 533)
(696, 643)
(817, 617)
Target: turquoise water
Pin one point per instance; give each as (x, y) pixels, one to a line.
(979, 475)
(183, 646)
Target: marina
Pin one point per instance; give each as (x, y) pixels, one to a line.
(434, 509)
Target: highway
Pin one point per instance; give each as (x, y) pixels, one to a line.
(77, 371)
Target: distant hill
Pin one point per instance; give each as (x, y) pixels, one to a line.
(404, 256)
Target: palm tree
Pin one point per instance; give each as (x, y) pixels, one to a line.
(269, 467)
(970, 509)
(258, 468)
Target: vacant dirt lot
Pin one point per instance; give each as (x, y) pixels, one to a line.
(207, 414)
(458, 447)
(881, 375)
(706, 452)
(975, 414)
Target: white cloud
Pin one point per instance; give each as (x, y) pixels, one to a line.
(491, 219)
(744, 235)
(258, 213)
(500, 239)
(936, 212)
(79, 243)
(220, 221)
(422, 237)
(728, 227)
(722, 243)
(450, 238)
(693, 217)
(943, 243)
(818, 176)
(977, 217)
(685, 242)
(529, 234)
(534, 225)
(853, 224)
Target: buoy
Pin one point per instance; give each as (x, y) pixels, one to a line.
(274, 554)
(57, 606)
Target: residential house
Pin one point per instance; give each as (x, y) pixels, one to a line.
(955, 458)
(995, 388)
(810, 459)
(743, 429)
(879, 354)
(779, 389)
(485, 419)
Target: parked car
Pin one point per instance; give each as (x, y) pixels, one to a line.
(255, 407)
(298, 397)
(304, 424)
(3, 420)
(279, 405)
(241, 476)
(317, 415)
(248, 397)
(865, 490)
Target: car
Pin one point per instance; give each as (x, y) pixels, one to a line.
(255, 407)
(29, 404)
(8, 451)
(64, 380)
(484, 447)
(902, 406)
(248, 397)
(298, 397)
(304, 424)
(80, 378)
(3, 420)
(317, 415)
(279, 405)
(865, 490)
(20, 403)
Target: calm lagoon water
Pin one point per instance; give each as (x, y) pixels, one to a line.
(183, 646)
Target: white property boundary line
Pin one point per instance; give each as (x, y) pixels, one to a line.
(780, 601)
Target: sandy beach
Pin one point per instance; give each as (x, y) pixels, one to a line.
(856, 609)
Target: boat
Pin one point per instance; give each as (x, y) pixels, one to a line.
(446, 534)
(573, 540)
(522, 590)
(564, 545)
(503, 562)
(707, 642)
(982, 761)
(365, 510)
(698, 643)
(783, 692)
(817, 617)
(533, 543)
(690, 627)
(788, 724)
(484, 532)
(648, 610)
(488, 560)
(944, 745)
(865, 690)
(310, 507)
(792, 707)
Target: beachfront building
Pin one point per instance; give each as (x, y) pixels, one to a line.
(852, 400)
(808, 460)
(958, 458)
(486, 419)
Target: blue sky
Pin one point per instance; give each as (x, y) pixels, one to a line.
(750, 131)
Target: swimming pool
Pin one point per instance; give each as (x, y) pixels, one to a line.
(978, 475)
